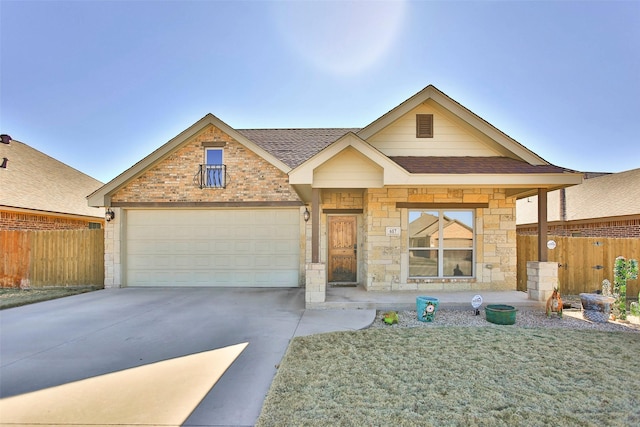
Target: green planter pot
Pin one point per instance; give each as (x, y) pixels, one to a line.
(500, 314)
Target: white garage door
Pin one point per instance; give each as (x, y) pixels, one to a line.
(249, 248)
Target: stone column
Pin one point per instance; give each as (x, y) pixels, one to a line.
(542, 277)
(316, 285)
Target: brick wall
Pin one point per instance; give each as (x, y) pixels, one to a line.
(27, 221)
(617, 229)
(250, 178)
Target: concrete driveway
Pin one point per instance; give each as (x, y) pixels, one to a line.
(83, 336)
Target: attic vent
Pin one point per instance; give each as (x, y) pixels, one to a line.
(424, 125)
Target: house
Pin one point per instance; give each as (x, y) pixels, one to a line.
(604, 205)
(423, 198)
(38, 192)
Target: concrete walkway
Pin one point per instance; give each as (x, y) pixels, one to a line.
(92, 338)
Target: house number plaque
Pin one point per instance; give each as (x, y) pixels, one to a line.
(393, 231)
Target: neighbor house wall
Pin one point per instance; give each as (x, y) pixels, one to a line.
(27, 221)
(387, 257)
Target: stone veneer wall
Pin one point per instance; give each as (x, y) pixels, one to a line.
(387, 257)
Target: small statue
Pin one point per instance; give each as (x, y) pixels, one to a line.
(554, 303)
(390, 317)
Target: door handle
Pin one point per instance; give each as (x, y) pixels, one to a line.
(355, 248)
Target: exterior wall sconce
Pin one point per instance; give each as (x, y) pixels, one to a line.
(109, 215)
(306, 215)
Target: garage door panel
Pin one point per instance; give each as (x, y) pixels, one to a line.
(212, 247)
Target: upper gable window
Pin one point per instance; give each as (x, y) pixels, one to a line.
(424, 125)
(213, 172)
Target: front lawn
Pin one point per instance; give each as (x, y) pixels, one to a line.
(498, 376)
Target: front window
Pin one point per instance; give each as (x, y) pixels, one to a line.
(441, 243)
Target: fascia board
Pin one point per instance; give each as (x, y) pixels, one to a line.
(102, 196)
(493, 180)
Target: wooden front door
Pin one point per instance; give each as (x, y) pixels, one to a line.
(343, 249)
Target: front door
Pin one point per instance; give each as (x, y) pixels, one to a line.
(343, 249)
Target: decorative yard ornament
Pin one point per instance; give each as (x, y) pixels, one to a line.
(429, 311)
(390, 317)
(554, 303)
(622, 271)
(476, 302)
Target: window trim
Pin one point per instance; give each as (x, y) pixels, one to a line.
(441, 250)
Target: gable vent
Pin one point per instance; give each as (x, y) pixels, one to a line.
(424, 125)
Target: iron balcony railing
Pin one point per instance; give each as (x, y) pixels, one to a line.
(211, 176)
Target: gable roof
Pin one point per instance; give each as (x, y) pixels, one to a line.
(33, 180)
(101, 197)
(510, 146)
(298, 151)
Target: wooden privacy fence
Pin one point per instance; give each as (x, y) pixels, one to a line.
(584, 262)
(51, 258)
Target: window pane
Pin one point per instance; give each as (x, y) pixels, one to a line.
(214, 157)
(458, 230)
(423, 263)
(458, 263)
(423, 227)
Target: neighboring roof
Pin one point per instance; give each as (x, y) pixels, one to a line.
(33, 180)
(605, 196)
(294, 146)
(609, 195)
(469, 165)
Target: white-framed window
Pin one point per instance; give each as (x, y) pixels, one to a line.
(441, 243)
(214, 173)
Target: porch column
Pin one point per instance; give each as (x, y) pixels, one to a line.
(542, 275)
(542, 225)
(315, 225)
(316, 273)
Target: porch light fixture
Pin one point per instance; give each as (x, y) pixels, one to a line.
(306, 215)
(109, 215)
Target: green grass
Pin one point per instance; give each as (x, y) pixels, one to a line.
(11, 297)
(501, 376)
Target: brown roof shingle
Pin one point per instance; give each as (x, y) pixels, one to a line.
(294, 146)
(472, 165)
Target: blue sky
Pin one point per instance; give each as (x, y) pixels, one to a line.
(101, 84)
